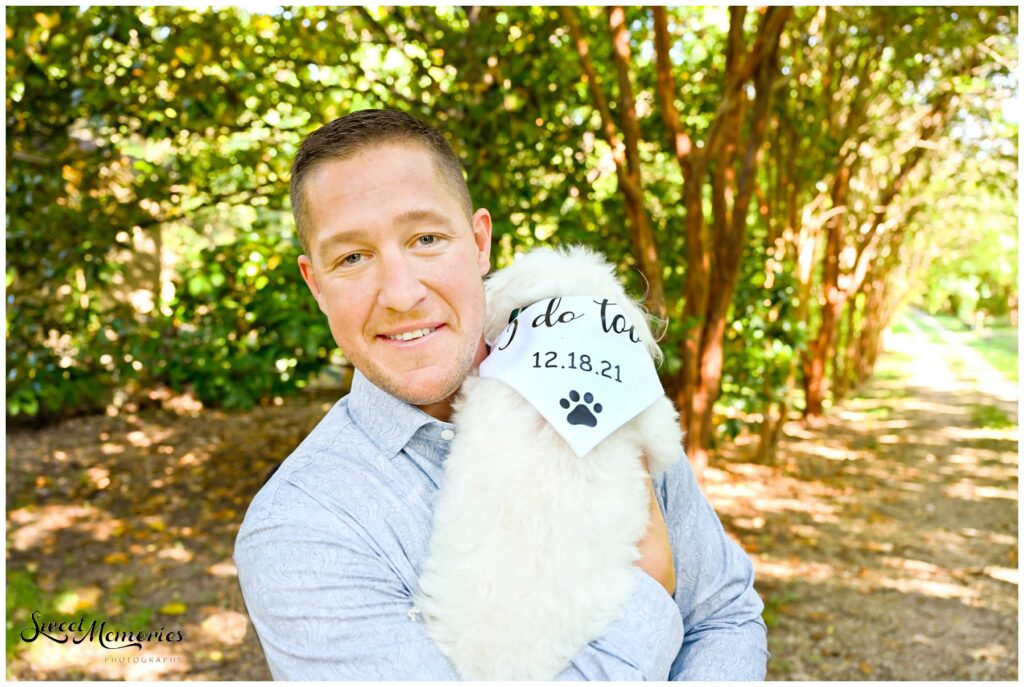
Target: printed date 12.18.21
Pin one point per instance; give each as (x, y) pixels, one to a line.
(577, 361)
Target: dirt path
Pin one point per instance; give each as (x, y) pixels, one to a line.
(132, 519)
(885, 543)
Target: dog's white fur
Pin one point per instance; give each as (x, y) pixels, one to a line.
(533, 548)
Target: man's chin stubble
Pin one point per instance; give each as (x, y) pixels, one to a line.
(451, 386)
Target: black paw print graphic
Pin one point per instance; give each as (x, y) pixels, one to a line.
(581, 414)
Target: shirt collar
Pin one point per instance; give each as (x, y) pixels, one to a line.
(388, 422)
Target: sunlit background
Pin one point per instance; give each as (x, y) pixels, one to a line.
(821, 201)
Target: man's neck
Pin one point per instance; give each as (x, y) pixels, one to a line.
(442, 410)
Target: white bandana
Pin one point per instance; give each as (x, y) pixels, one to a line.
(579, 362)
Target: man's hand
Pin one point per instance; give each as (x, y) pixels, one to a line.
(655, 552)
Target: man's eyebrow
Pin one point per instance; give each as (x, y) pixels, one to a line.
(408, 217)
(341, 237)
(422, 215)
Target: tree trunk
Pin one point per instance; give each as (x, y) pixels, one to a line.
(643, 244)
(845, 363)
(871, 328)
(932, 123)
(625, 148)
(713, 269)
(814, 366)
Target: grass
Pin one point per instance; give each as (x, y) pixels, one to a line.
(898, 359)
(878, 412)
(997, 343)
(868, 444)
(780, 666)
(774, 604)
(990, 417)
(932, 334)
(951, 322)
(119, 598)
(899, 327)
(999, 346)
(24, 595)
(887, 393)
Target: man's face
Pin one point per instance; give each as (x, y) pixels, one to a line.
(397, 269)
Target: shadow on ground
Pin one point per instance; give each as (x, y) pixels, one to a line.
(131, 519)
(885, 541)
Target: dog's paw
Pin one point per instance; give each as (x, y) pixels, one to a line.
(581, 414)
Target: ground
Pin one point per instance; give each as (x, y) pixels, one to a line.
(884, 541)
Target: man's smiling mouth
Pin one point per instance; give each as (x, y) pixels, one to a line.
(415, 334)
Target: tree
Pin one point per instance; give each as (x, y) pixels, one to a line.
(725, 160)
(766, 178)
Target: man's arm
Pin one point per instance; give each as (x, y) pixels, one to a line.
(327, 606)
(725, 637)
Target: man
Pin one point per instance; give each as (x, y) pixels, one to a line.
(330, 549)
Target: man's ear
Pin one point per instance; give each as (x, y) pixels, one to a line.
(306, 268)
(482, 237)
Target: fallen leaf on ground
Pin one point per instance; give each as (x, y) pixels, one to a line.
(174, 608)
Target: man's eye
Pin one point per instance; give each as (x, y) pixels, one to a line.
(427, 240)
(351, 259)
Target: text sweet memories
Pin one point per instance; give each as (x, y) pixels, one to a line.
(76, 632)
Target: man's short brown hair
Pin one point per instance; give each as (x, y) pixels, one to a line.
(345, 136)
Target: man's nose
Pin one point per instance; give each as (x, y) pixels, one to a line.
(400, 285)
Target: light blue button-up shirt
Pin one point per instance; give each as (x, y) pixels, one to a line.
(331, 548)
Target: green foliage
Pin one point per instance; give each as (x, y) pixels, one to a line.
(987, 416)
(242, 326)
(978, 274)
(131, 132)
(149, 237)
(764, 339)
(23, 596)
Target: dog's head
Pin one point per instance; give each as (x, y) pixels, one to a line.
(546, 273)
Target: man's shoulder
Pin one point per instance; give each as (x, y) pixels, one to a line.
(322, 472)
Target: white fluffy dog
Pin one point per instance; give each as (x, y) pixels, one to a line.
(533, 548)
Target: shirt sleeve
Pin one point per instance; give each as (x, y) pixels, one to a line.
(725, 636)
(327, 606)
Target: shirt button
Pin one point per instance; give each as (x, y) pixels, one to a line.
(447, 435)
